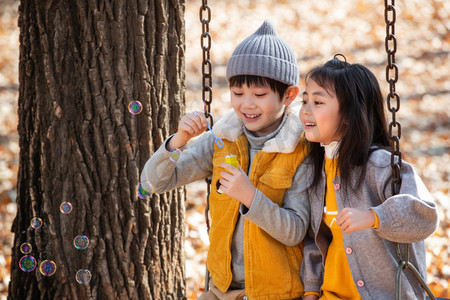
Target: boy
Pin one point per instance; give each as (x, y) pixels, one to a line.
(259, 212)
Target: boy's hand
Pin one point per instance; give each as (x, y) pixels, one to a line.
(191, 125)
(352, 219)
(236, 184)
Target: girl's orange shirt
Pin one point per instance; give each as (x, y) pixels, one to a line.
(338, 281)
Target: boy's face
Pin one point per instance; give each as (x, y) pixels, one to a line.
(260, 108)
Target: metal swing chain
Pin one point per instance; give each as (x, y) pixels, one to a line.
(390, 17)
(392, 69)
(205, 42)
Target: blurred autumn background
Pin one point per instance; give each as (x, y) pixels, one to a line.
(316, 30)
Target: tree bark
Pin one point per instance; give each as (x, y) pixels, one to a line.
(81, 64)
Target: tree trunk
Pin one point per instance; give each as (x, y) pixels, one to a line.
(81, 64)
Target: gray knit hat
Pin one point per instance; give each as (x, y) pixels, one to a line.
(265, 54)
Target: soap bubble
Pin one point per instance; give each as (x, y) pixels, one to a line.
(27, 263)
(197, 105)
(47, 268)
(36, 223)
(175, 155)
(65, 207)
(81, 242)
(83, 276)
(135, 107)
(144, 190)
(25, 248)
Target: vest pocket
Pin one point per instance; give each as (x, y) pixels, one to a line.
(278, 178)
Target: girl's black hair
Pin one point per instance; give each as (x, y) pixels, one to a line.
(363, 121)
(253, 80)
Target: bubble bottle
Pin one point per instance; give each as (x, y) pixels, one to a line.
(232, 160)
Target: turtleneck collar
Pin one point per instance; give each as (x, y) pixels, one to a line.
(257, 142)
(331, 149)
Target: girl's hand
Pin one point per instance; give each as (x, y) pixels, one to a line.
(236, 184)
(352, 219)
(191, 125)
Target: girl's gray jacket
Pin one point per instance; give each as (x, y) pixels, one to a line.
(409, 217)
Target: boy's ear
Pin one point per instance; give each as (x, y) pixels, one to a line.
(290, 94)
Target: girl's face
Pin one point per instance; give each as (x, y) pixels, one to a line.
(320, 114)
(259, 108)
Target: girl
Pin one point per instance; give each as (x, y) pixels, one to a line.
(355, 218)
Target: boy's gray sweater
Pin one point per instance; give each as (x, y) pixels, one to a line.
(288, 224)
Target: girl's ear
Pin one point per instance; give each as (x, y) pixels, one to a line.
(290, 94)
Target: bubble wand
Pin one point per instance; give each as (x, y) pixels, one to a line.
(218, 141)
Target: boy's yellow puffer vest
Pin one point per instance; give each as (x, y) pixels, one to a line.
(272, 270)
